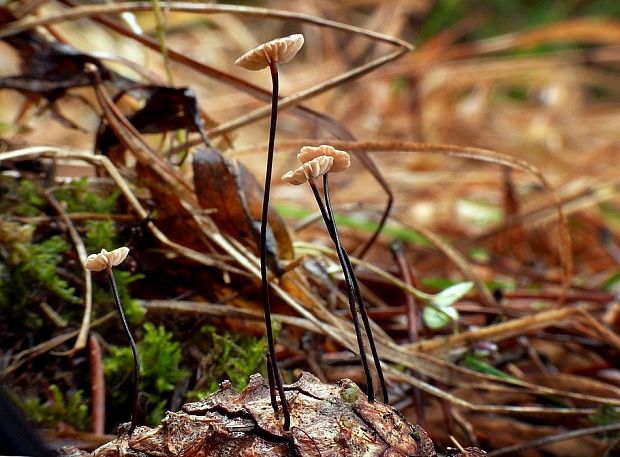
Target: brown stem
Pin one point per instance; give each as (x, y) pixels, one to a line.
(97, 385)
(398, 252)
(399, 256)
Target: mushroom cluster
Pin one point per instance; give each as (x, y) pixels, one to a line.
(317, 161)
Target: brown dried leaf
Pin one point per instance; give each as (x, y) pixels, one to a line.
(227, 187)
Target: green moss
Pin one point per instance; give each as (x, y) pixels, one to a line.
(70, 408)
(605, 415)
(229, 356)
(100, 235)
(29, 199)
(78, 198)
(160, 370)
(29, 273)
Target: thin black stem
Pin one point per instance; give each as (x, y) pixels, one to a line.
(333, 233)
(134, 349)
(276, 378)
(358, 293)
(272, 384)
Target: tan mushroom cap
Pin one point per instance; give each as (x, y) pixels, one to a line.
(278, 50)
(318, 166)
(295, 177)
(312, 169)
(105, 259)
(342, 160)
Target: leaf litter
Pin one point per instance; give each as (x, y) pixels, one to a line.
(549, 325)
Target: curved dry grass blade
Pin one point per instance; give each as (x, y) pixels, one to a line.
(302, 95)
(497, 332)
(464, 152)
(81, 341)
(214, 309)
(583, 30)
(564, 436)
(28, 354)
(80, 12)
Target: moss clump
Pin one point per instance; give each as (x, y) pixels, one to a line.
(29, 273)
(78, 198)
(160, 371)
(68, 408)
(228, 356)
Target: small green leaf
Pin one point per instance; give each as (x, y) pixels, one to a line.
(447, 297)
(436, 318)
(481, 366)
(439, 312)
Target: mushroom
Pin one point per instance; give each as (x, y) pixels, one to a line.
(311, 169)
(295, 177)
(316, 162)
(279, 50)
(268, 55)
(105, 261)
(342, 159)
(318, 166)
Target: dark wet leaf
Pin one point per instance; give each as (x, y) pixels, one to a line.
(50, 69)
(166, 109)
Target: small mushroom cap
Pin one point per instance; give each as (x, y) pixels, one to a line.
(318, 166)
(342, 160)
(105, 259)
(278, 50)
(295, 177)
